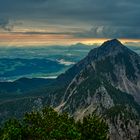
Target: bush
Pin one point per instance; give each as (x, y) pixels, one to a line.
(49, 125)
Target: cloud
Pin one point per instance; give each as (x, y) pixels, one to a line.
(136, 44)
(110, 32)
(5, 25)
(8, 25)
(108, 18)
(66, 63)
(46, 33)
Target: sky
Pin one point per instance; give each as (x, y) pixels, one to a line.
(65, 22)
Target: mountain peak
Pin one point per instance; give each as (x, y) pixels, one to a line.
(114, 43)
(110, 47)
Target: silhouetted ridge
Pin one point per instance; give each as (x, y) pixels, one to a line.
(111, 47)
(111, 43)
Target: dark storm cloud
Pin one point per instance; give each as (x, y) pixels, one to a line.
(45, 33)
(6, 25)
(110, 32)
(108, 18)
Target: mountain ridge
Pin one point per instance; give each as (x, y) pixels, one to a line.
(122, 54)
(107, 83)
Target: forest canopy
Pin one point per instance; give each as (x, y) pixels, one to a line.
(48, 124)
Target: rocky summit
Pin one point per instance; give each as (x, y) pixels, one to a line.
(107, 82)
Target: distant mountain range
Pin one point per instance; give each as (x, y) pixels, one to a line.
(11, 69)
(36, 62)
(106, 81)
(44, 51)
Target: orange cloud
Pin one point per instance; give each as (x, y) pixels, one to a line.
(22, 39)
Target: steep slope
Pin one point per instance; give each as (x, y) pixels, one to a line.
(108, 83)
(88, 94)
(115, 62)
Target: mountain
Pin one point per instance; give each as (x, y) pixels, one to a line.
(11, 69)
(80, 47)
(115, 62)
(22, 85)
(106, 81)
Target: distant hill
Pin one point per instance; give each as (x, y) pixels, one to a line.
(14, 68)
(39, 61)
(22, 85)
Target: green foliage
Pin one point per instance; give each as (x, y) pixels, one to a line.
(12, 130)
(49, 125)
(93, 128)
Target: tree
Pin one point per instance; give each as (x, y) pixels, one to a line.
(93, 128)
(12, 130)
(49, 125)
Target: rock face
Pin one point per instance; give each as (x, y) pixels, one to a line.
(113, 60)
(107, 82)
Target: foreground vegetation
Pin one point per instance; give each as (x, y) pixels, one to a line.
(49, 125)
